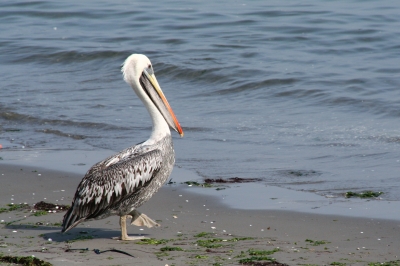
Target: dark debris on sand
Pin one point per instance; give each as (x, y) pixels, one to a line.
(231, 180)
(44, 206)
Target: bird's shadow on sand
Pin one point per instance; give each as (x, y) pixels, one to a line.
(75, 234)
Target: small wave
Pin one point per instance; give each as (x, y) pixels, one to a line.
(337, 144)
(23, 4)
(28, 119)
(196, 129)
(209, 75)
(252, 85)
(62, 134)
(66, 57)
(52, 14)
(387, 139)
(284, 13)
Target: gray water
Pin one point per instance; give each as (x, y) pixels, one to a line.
(305, 95)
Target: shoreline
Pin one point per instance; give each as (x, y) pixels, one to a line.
(259, 195)
(297, 238)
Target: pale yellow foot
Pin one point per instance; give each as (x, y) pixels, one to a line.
(124, 236)
(141, 219)
(128, 238)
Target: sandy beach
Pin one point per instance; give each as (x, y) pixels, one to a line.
(195, 230)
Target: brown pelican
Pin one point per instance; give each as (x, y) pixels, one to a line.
(124, 181)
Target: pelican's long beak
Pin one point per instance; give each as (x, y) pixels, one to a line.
(153, 90)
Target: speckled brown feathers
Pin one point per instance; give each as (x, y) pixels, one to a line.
(121, 183)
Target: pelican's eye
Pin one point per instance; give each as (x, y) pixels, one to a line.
(150, 70)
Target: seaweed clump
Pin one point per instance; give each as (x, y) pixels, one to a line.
(14, 207)
(363, 195)
(28, 260)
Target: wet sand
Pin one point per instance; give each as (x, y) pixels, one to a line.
(200, 229)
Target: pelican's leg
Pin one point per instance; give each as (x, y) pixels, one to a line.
(141, 219)
(124, 235)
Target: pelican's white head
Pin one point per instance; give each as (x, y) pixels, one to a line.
(139, 74)
(133, 67)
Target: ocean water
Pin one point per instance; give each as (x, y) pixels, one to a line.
(304, 95)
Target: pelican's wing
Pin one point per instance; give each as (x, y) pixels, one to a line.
(110, 182)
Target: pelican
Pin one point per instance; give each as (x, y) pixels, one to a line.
(124, 181)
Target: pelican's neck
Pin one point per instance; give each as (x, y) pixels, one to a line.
(160, 127)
